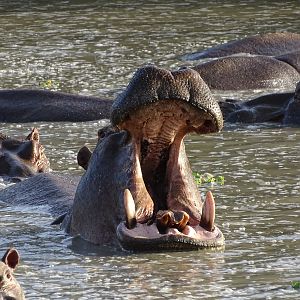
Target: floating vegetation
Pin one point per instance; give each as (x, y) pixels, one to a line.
(49, 84)
(296, 284)
(208, 178)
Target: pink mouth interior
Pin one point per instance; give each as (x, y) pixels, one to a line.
(143, 231)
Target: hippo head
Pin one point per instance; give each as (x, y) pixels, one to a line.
(138, 189)
(22, 158)
(9, 287)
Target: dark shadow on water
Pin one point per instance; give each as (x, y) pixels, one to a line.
(82, 247)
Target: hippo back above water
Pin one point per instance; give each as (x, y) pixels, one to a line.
(32, 105)
(248, 73)
(270, 44)
(270, 60)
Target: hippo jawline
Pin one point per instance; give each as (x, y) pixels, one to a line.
(163, 207)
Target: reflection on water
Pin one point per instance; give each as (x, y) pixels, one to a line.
(93, 47)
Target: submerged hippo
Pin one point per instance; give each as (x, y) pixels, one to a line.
(25, 105)
(270, 60)
(19, 158)
(281, 108)
(138, 190)
(10, 289)
(249, 72)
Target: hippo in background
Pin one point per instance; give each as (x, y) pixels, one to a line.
(138, 191)
(249, 72)
(283, 108)
(269, 44)
(10, 289)
(26, 105)
(22, 158)
(270, 60)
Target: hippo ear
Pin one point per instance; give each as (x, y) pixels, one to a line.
(34, 135)
(11, 258)
(83, 157)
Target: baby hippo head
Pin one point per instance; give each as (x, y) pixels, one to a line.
(9, 287)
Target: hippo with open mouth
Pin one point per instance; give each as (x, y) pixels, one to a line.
(138, 189)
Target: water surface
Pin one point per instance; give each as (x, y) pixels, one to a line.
(94, 47)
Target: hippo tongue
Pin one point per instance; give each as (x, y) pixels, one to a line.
(208, 212)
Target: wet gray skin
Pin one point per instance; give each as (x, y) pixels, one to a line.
(269, 60)
(9, 286)
(271, 44)
(22, 158)
(138, 190)
(32, 105)
(280, 108)
(250, 72)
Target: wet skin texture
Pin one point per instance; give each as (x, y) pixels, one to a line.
(270, 60)
(25, 105)
(248, 72)
(138, 190)
(280, 108)
(22, 158)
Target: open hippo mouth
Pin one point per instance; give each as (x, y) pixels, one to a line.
(162, 204)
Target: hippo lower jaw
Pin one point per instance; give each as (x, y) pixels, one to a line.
(162, 204)
(144, 237)
(137, 236)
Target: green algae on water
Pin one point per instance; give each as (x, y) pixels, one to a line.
(296, 284)
(208, 178)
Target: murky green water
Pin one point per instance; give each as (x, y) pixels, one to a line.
(93, 47)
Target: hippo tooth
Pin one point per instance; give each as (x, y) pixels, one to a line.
(129, 209)
(208, 212)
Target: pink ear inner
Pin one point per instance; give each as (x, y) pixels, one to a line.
(11, 258)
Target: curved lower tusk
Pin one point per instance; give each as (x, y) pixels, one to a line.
(129, 209)
(208, 212)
